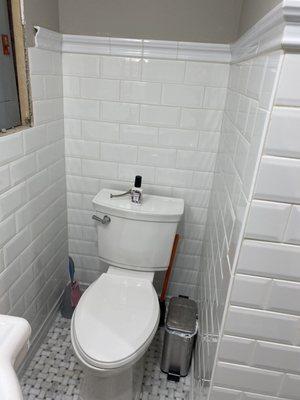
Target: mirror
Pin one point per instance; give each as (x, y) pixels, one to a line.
(9, 99)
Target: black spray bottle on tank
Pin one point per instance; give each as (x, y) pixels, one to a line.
(137, 191)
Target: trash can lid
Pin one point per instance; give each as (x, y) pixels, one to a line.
(182, 315)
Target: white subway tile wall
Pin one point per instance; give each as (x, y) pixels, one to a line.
(158, 118)
(165, 120)
(245, 121)
(33, 212)
(264, 311)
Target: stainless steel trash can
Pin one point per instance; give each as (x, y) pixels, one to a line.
(180, 331)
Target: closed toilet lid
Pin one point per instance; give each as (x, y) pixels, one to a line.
(114, 320)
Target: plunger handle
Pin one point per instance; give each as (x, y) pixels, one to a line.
(169, 270)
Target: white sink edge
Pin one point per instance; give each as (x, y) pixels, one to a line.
(14, 337)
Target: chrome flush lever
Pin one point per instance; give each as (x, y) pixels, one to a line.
(105, 220)
(120, 195)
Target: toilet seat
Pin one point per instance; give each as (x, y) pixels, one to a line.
(115, 321)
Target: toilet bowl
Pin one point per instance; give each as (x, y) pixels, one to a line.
(111, 329)
(118, 315)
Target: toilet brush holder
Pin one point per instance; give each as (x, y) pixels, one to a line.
(66, 308)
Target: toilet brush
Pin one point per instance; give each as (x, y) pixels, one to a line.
(71, 295)
(75, 289)
(162, 300)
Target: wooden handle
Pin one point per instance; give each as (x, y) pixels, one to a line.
(169, 270)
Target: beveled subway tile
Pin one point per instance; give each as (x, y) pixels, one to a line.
(215, 98)
(99, 169)
(163, 70)
(284, 297)
(82, 149)
(290, 386)
(139, 135)
(202, 119)
(71, 85)
(274, 260)
(23, 168)
(292, 232)
(157, 156)
(195, 160)
(288, 88)
(160, 115)
(121, 153)
(267, 220)
(178, 138)
(263, 325)
(236, 350)
(127, 171)
(11, 147)
(81, 65)
(120, 112)
(207, 74)
(81, 108)
(174, 177)
(278, 180)
(99, 89)
(283, 138)
(100, 131)
(274, 355)
(72, 128)
(250, 291)
(246, 378)
(182, 95)
(140, 92)
(121, 67)
(221, 393)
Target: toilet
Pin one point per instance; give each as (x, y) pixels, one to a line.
(118, 315)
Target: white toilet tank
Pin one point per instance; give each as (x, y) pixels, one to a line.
(136, 236)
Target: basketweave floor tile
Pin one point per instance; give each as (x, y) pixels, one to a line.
(55, 374)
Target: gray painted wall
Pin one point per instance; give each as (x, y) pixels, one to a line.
(253, 11)
(44, 13)
(213, 21)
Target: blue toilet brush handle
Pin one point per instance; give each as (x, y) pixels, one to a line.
(71, 269)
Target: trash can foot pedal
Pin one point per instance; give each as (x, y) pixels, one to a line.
(173, 377)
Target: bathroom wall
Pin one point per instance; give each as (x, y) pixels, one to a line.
(248, 105)
(252, 11)
(33, 225)
(259, 352)
(155, 117)
(43, 13)
(210, 21)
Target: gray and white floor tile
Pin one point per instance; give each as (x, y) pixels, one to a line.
(55, 374)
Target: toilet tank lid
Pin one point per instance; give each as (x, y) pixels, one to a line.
(153, 208)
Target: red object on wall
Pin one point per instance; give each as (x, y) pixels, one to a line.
(5, 45)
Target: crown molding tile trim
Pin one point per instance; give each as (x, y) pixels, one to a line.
(204, 52)
(126, 47)
(279, 29)
(47, 39)
(85, 44)
(147, 48)
(291, 34)
(160, 49)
